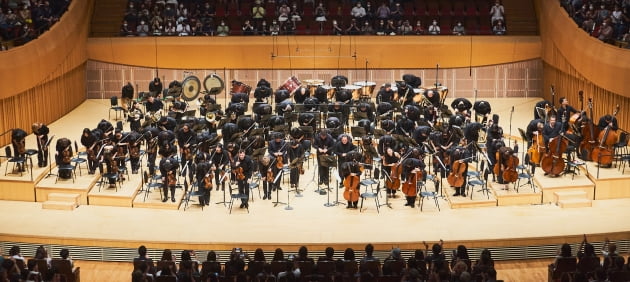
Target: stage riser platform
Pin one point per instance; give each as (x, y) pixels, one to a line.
(17, 191)
(611, 188)
(43, 192)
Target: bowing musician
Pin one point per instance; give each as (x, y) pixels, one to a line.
(18, 141)
(135, 140)
(41, 131)
(219, 160)
(342, 148)
(551, 130)
(458, 154)
(278, 149)
(565, 111)
(267, 176)
(204, 181)
(89, 139)
(324, 143)
(390, 158)
(168, 170)
(295, 152)
(244, 163)
(63, 156)
(410, 166)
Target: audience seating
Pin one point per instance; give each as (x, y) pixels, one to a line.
(64, 267)
(563, 268)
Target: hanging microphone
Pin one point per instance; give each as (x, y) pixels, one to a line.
(512, 108)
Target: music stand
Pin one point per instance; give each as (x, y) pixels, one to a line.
(357, 131)
(329, 162)
(281, 128)
(221, 179)
(277, 202)
(257, 131)
(378, 132)
(259, 152)
(47, 146)
(308, 131)
(265, 118)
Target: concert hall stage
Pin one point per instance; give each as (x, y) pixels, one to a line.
(124, 219)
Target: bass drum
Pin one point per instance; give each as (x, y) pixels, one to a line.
(213, 84)
(239, 87)
(190, 88)
(291, 84)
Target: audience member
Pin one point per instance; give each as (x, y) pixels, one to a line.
(497, 12)
(498, 28)
(223, 29)
(459, 29)
(434, 28)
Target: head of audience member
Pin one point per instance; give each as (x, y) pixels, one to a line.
(278, 255)
(167, 255)
(259, 255)
(348, 254)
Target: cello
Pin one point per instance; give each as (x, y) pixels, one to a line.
(410, 186)
(351, 188)
(588, 134)
(509, 173)
(393, 181)
(604, 152)
(456, 177)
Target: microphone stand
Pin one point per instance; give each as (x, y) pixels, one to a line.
(387, 203)
(49, 159)
(221, 179)
(339, 182)
(510, 139)
(328, 203)
(443, 168)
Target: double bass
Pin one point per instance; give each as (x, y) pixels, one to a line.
(589, 133)
(604, 152)
(552, 162)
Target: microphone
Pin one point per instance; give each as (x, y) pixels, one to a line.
(512, 108)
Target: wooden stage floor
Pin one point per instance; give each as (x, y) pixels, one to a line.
(485, 220)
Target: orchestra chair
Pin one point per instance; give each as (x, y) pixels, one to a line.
(621, 147)
(42, 266)
(64, 267)
(113, 106)
(588, 265)
(474, 179)
(68, 168)
(152, 182)
(234, 197)
(562, 270)
(253, 184)
(77, 160)
(369, 194)
(166, 279)
(424, 193)
(15, 160)
(105, 177)
(306, 268)
(193, 192)
(524, 174)
(278, 266)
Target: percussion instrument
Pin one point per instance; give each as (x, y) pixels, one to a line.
(419, 94)
(367, 87)
(330, 91)
(190, 88)
(355, 90)
(313, 84)
(213, 84)
(291, 84)
(239, 87)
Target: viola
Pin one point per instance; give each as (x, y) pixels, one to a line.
(279, 162)
(270, 175)
(207, 181)
(239, 173)
(456, 177)
(170, 178)
(351, 185)
(410, 186)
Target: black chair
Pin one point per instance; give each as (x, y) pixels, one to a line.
(64, 267)
(562, 269)
(350, 269)
(306, 269)
(325, 270)
(372, 266)
(210, 269)
(113, 106)
(165, 279)
(149, 262)
(15, 160)
(588, 264)
(66, 169)
(278, 266)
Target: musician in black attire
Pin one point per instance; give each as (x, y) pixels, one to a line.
(151, 135)
(301, 94)
(63, 156)
(168, 170)
(265, 168)
(607, 120)
(406, 93)
(295, 152)
(460, 154)
(126, 96)
(106, 128)
(135, 117)
(121, 142)
(202, 173)
(551, 130)
(41, 131)
(186, 139)
(218, 161)
(534, 126)
(411, 165)
(18, 140)
(385, 94)
(494, 134)
(342, 148)
(367, 109)
(166, 143)
(167, 123)
(324, 143)
(389, 159)
(91, 142)
(153, 107)
(155, 87)
(504, 156)
(135, 139)
(244, 162)
(350, 168)
(565, 111)
(278, 149)
(386, 141)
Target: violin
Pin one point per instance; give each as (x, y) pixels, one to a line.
(604, 152)
(279, 162)
(239, 173)
(207, 181)
(410, 186)
(588, 134)
(170, 178)
(67, 154)
(270, 177)
(351, 185)
(456, 177)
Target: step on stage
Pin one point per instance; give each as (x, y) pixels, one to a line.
(131, 216)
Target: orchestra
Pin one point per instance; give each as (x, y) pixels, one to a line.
(402, 129)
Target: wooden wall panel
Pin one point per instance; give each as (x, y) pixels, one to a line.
(507, 80)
